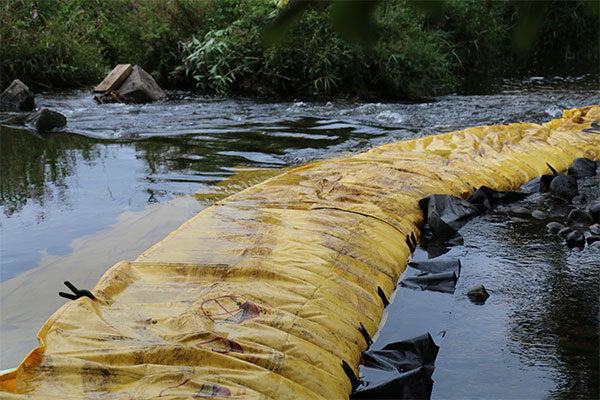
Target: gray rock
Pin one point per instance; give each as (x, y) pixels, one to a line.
(564, 186)
(575, 239)
(541, 215)
(519, 211)
(140, 87)
(46, 120)
(595, 229)
(539, 184)
(582, 167)
(554, 227)
(580, 200)
(579, 219)
(478, 294)
(18, 96)
(595, 245)
(564, 232)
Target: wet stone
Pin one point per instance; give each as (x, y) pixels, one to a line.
(519, 211)
(580, 200)
(575, 239)
(595, 229)
(595, 245)
(579, 218)
(565, 231)
(554, 227)
(541, 215)
(564, 186)
(46, 120)
(478, 294)
(582, 167)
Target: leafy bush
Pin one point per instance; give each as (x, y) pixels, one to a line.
(416, 48)
(76, 42)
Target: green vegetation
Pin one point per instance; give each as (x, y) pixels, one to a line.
(401, 49)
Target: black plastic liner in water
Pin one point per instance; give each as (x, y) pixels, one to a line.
(437, 275)
(401, 370)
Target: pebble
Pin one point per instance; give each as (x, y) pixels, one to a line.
(565, 231)
(595, 229)
(580, 200)
(575, 239)
(519, 211)
(541, 215)
(554, 227)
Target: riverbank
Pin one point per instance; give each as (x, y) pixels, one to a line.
(219, 46)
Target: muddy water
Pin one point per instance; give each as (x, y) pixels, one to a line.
(121, 177)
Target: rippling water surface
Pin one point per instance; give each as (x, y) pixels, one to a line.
(113, 161)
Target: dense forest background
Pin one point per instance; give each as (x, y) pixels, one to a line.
(388, 49)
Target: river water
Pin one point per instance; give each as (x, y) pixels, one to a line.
(120, 177)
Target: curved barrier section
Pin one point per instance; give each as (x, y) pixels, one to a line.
(269, 292)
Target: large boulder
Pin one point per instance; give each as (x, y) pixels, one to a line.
(17, 96)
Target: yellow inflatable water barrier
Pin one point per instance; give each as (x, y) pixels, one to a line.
(270, 292)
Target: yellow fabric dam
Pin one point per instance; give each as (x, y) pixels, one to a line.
(264, 294)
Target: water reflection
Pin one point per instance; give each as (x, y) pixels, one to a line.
(556, 312)
(34, 167)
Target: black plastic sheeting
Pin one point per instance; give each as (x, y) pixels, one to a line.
(401, 370)
(444, 215)
(439, 275)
